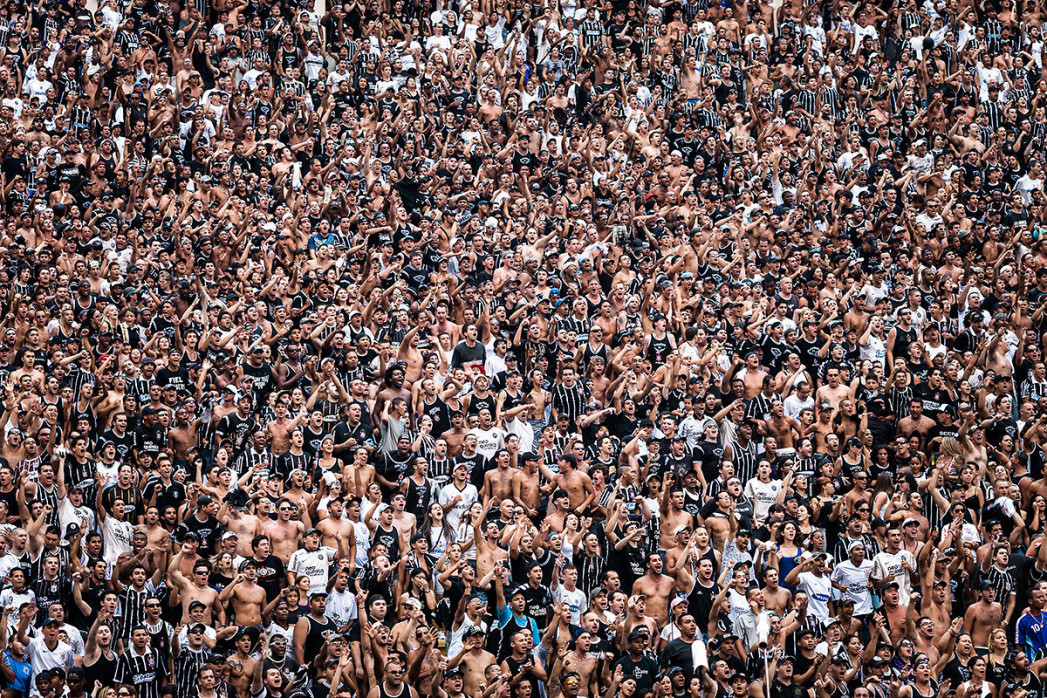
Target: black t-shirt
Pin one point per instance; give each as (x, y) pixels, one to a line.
(537, 605)
(172, 495)
(270, 575)
(206, 531)
(236, 427)
(643, 671)
(678, 653)
(261, 377)
(955, 671)
(179, 377)
(780, 690)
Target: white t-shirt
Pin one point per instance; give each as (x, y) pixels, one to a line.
(763, 495)
(275, 630)
(116, 536)
(341, 606)
(447, 495)
(454, 644)
(488, 442)
(314, 564)
(14, 599)
(363, 542)
(856, 579)
(575, 599)
(794, 405)
(819, 592)
(42, 658)
(886, 563)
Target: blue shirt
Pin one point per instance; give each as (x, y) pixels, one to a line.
(22, 671)
(505, 616)
(1031, 634)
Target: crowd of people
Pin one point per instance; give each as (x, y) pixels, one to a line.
(431, 349)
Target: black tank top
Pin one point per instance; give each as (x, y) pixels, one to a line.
(658, 350)
(588, 353)
(902, 340)
(102, 671)
(511, 400)
(515, 667)
(481, 403)
(315, 639)
(295, 378)
(383, 693)
(440, 413)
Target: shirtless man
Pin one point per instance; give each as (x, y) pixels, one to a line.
(892, 611)
(185, 434)
(236, 519)
(921, 631)
(833, 391)
(156, 535)
(983, 616)
(526, 490)
(197, 589)
(284, 533)
(498, 483)
(489, 554)
(784, 429)
(394, 388)
(935, 584)
(404, 521)
(679, 556)
(335, 527)
(916, 421)
(241, 665)
(409, 354)
(657, 587)
(295, 492)
(358, 473)
(424, 661)
(635, 615)
(578, 485)
(279, 430)
(248, 598)
(674, 516)
(751, 373)
(721, 523)
(442, 325)
(581, 661)
(474, 659)
(776, 597)
(455, 436)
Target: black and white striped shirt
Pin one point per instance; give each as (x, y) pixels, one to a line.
(36, 565)
(145, 672)
(569, 400)
(744, 460)
(808, 101)
(1002, 581)
(132, 606)
(592, 33)
(250, 458)
(994, 110)
(899, 400)
(187, 667)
